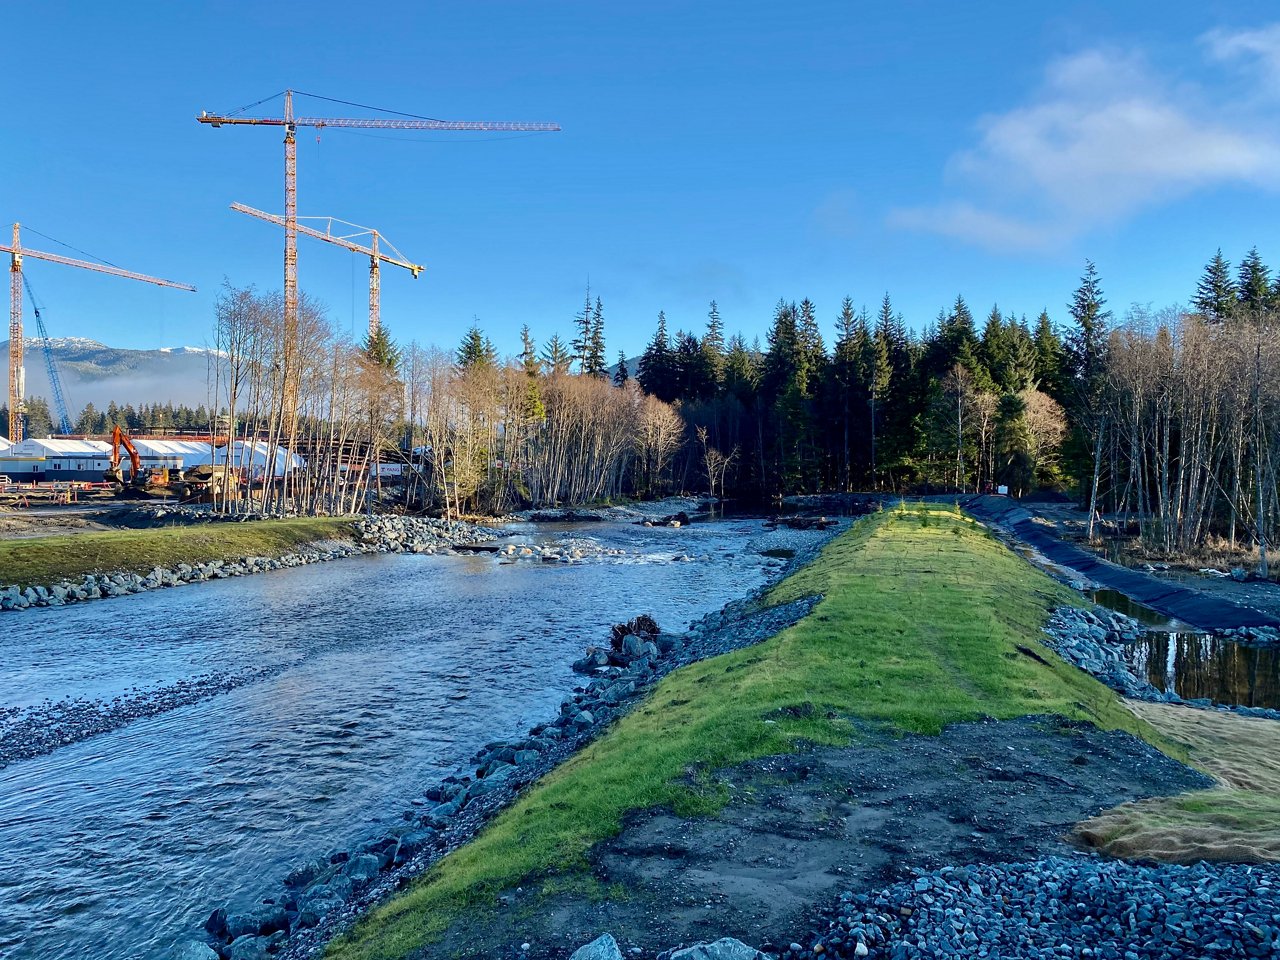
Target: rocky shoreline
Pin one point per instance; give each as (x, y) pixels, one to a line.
(376, 534)
(321, 898)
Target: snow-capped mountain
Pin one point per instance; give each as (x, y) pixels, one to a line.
(93, 372)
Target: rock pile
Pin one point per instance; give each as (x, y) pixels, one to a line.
(1059, 907)
(47, 726)
(389, 533)
(1254, 636)
(98, 586)
(574, 551)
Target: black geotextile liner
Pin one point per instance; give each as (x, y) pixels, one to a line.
(1172, 599)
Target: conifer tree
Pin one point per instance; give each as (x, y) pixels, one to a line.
(713, 346)
(581, 342)
(620, 373)
(656, 371)
(1216, 292)
(528, 352)
(556, 357)
(1254, 289)
(594, 364)
(381, 350)
(1049, 357)
(476, 350)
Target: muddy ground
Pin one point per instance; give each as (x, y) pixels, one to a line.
(801, 829)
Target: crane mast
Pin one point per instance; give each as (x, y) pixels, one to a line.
(18, 253)
(17, 389)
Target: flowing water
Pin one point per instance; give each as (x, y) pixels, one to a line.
(396, 669)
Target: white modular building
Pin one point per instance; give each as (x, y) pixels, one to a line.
(37, 460)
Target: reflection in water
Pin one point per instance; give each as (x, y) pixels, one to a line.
(1122, 604)
(396, 669)
(1195, 666)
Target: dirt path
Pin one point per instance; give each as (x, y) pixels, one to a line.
(800, 829)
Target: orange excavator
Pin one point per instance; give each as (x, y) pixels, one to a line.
(143, 481)
(203, 482)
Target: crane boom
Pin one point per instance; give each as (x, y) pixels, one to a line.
(372, 252)
(86, 265)
(50, 366)
(374, 123)
(331, 237)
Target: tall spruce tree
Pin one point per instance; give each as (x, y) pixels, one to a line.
(1254, 289)
(476, 350)
(713, 345)
(1216, 292)
(380, 349)
(620, 373)
(594, 363)
(656, 370)
(582, 323)
(556, 358)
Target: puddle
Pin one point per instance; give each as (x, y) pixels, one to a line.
(1194, 665)
(1150, 619)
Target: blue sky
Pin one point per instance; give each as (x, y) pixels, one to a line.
(742, 151)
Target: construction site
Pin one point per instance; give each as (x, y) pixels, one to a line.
(269, 444)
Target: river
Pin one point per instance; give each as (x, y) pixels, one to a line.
(391, 671)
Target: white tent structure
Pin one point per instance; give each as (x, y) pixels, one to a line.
(255, 459)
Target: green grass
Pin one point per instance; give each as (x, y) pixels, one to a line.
(922, 616)
(43, 560)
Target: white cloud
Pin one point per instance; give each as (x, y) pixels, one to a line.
(1103, 138)
(1257, 50)
(963, 221)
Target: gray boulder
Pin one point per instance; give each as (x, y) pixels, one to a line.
(603, 947)
(362, 868)
(241, 924)
(247, 948)
(193, 951)
(725, 948)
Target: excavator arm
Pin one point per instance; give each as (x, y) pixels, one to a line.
(119, 440)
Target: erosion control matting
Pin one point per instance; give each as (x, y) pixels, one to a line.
(1175, 600)
(800, 829)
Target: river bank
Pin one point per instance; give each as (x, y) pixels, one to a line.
(693, 807)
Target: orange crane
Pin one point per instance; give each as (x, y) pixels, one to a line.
(291, 123)
(375, 255)
(17, 253)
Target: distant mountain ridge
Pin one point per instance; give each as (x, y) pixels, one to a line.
(93, 372)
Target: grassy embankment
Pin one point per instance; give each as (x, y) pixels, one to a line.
(44, 560)
(920, 627)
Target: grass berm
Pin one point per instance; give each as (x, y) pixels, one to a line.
(44, 560)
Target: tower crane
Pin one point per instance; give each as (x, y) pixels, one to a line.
(17, 372)
(291, 123)
(375, 255)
